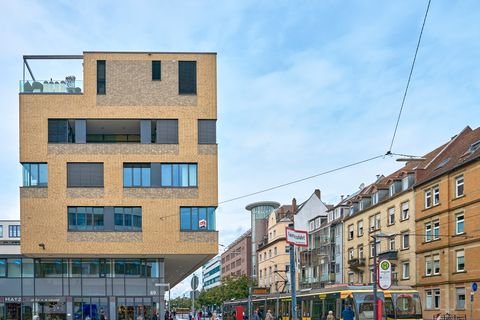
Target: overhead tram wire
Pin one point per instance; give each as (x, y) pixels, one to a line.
(409, 77)
(294, 181)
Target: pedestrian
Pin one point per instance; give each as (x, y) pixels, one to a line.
(330, 315)
(269, 315)
(167, 315)
(154, 316)
(348, 314)
(256, 315)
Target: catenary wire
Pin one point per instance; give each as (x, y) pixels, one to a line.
(409, 77)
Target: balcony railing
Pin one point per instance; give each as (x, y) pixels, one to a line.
(356, 263)
(67, 86)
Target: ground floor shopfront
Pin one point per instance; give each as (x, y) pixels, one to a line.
(81, 289)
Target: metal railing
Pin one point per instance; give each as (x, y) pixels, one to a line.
(51, 86)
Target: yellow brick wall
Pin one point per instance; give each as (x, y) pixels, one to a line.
(44, 220)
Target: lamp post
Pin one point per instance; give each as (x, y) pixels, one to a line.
(168, 286)
(375, 265)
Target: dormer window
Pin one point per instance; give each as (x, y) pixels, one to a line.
(392, 189)
(375, 198)
(405, 183)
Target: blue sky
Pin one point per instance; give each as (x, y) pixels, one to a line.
(303, 86)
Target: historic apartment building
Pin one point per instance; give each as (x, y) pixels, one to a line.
(237, 257)
(119, 187)
(447, 198)
(385, 209)
(273, 257)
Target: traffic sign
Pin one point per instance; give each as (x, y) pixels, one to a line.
(194, 282)
(384, 274)
(474, 286)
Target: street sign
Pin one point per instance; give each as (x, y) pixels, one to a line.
(384, 274)
(194, 282)
(474, 286)
(297, 237)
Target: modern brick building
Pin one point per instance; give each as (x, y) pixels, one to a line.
(447, 202)
(120, 184)
(236, 259)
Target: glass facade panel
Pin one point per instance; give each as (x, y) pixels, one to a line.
(185, 222)
(14, 268)
(198, 218)
(35, 174)
(3, 268)
(192, 168)
(166, 175)
(127, 176)
(27, 268)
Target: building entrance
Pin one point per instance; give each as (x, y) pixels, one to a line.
(90, 308)
(52, 310)
(137, 308)
(14, 311)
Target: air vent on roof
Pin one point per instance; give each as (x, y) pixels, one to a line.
(441, 164)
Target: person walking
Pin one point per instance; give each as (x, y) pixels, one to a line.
(256, 315)
(269, 315)
(348, 314)
(330, 315)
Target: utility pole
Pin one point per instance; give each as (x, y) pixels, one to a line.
(293, 288)
(375, 306)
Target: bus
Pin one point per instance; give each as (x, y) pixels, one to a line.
(398, 302)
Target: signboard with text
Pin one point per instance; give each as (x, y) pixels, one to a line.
(297, 237)
(384, 274)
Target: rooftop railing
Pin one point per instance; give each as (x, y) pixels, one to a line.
(66, 86)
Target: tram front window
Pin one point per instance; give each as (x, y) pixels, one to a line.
(407, 305)
(364, 305)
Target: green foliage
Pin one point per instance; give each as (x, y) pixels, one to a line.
(231, 288)
(181, 302)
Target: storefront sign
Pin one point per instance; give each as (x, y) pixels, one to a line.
(384, 274)
(297, 237)
(13, 299)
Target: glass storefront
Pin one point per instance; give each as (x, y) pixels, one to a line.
(141, 308)
(90, 309)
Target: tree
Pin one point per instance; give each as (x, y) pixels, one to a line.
(230, 288)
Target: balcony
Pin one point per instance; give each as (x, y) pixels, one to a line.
(51, 67)
(356, 263)
(388, 255)
(51, 86)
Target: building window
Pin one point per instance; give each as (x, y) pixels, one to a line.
(351, 254)
(428, 266)
(350, 277)
(391, 244)
(128, 218)
(428, 232)
(432, 299)
(406, 270)
(14, 231)
(101, 77)
(459, 223)
(405, 183)
(350, 232)
(178, 175)
(198, 219)
(436, 264)
(459, 186)
(374, 222)
(428, 198)
(156, 70)
(1, 231)
(460, 298)
(360, 252)
(360, 228)
(436, 230)
(60, 131)
(391, 216)
(269, 253)
(392, 189)
(405, 241)
(187, 77)
(207, 131)
(84, 175)
(275, 251)
(460, 260)
(436, 196)
(405, 211)
(136, 174)
(35, 174)
(167, 131)
(85, 218)
(371, 248)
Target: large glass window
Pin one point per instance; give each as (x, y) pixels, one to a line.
(35, 174)
(14, 231)
(128, 218)
(3, 268)
(197, 218)
(90, 268)
(49, 268)
(136, 175)
(85, 218)
(179, 175)
(14, 268)
(27, 268)
(187, 77)
(101, 77)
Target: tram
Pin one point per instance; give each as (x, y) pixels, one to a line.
(398, 302)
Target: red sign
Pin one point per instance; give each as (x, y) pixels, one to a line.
(202, 224)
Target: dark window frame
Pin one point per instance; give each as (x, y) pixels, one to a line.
(79, 185)
(74, 210)
(186, 75)
(204, 134)
(209, 227)
(156, 70)
(101, 77)
(132, 216)
(159, 130)
(28, 184)
(14, 231)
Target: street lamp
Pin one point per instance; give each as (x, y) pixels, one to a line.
(375, 237)
(168, 286)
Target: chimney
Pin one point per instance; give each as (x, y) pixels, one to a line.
(317, 192)
(341, 197)
(294, 205)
